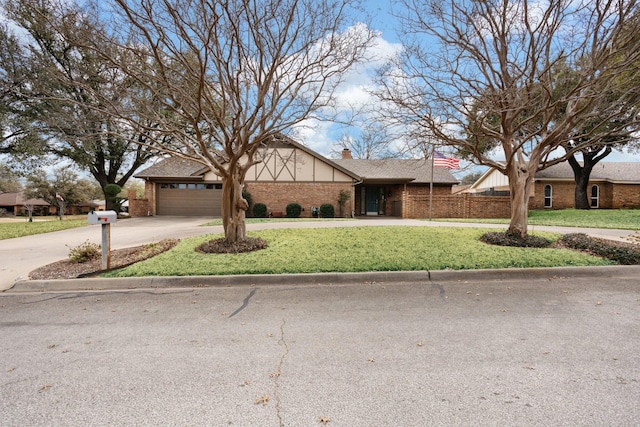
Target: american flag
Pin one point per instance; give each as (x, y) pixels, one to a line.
(442, 161)
(59, 197)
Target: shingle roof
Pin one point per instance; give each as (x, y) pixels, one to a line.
(17, 199)
(410, 170)
(608, 171)
(399, 170)
(172, 167)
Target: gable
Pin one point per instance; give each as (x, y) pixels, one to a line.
(285, 161)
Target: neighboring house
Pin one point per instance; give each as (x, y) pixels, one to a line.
(612, 185)
(291, 173)
(14, 204)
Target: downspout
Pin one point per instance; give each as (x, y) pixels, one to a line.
(431, 183)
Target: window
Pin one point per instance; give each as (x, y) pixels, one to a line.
(595, 196)
(548, 194)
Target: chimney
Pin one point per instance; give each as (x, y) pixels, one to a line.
(346, 154)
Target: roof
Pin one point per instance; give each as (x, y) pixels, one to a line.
(176, 167)
(417, 171)
(17, 199)
(173, 167)
(606, 171)
(388, 170)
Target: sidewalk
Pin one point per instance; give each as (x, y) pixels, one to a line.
(22, 255)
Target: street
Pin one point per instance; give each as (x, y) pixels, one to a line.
(558, 351)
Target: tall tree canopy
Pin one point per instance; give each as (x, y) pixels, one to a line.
(222, 79)
(475, 73)
(50, 84)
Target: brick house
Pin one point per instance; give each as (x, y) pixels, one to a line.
(14, 204)
(290, 172)
(612, 185)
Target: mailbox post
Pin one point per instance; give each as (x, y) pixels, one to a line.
(105, 218)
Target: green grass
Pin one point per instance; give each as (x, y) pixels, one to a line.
(10, 230)
(356, 249)
(626, 219)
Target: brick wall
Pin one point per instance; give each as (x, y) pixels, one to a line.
(278, 195)
(139, 207)
(625, 196)
(456, 206)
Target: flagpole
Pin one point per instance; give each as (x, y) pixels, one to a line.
(433, 151)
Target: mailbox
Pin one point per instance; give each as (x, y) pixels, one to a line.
(102, 217)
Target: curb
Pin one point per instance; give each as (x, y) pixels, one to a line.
(464, 276)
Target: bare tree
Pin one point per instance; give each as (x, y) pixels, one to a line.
(479, 74)
(224, 79)
(373, 142)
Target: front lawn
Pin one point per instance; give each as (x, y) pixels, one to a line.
(13, 229)
(625, 219)
(357, 249)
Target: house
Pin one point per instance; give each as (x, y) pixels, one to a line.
(290, 172)
(14, 204)
(384, 182)
(612, 185)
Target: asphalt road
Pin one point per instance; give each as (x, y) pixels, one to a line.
(553, 351)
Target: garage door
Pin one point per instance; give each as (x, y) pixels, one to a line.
(188, 199)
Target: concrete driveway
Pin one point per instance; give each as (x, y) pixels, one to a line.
(20, 256)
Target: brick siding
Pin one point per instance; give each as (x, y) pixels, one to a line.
(456, 206)
(278, 195)
(139, 207)
(612, 196)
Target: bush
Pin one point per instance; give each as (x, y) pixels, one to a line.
(293, 210)
(343, 198)
(626, 254)
(247, 196)
(111, 192)
(260, 210)
(85, 252)
(326, 210)
(502, 238)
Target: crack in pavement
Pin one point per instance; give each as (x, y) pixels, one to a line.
(245, 303)
(438, 287)
(278, 373)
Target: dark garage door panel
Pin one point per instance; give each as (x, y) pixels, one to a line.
(180, 202)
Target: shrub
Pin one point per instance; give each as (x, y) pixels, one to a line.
(343, 198)
(621, 253)
(326, 210)
(247, 196)
(503, 238)
(111, 192)
(293, 210)
(85, 252)
(260, 210)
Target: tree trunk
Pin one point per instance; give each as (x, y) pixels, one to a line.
(520, 186)
(234, 207)
(582, 174)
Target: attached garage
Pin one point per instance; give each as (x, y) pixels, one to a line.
(189, 199)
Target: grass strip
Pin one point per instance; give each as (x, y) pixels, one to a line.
(357, 249)
(624, 219)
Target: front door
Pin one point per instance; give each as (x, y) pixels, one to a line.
(374, 200)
